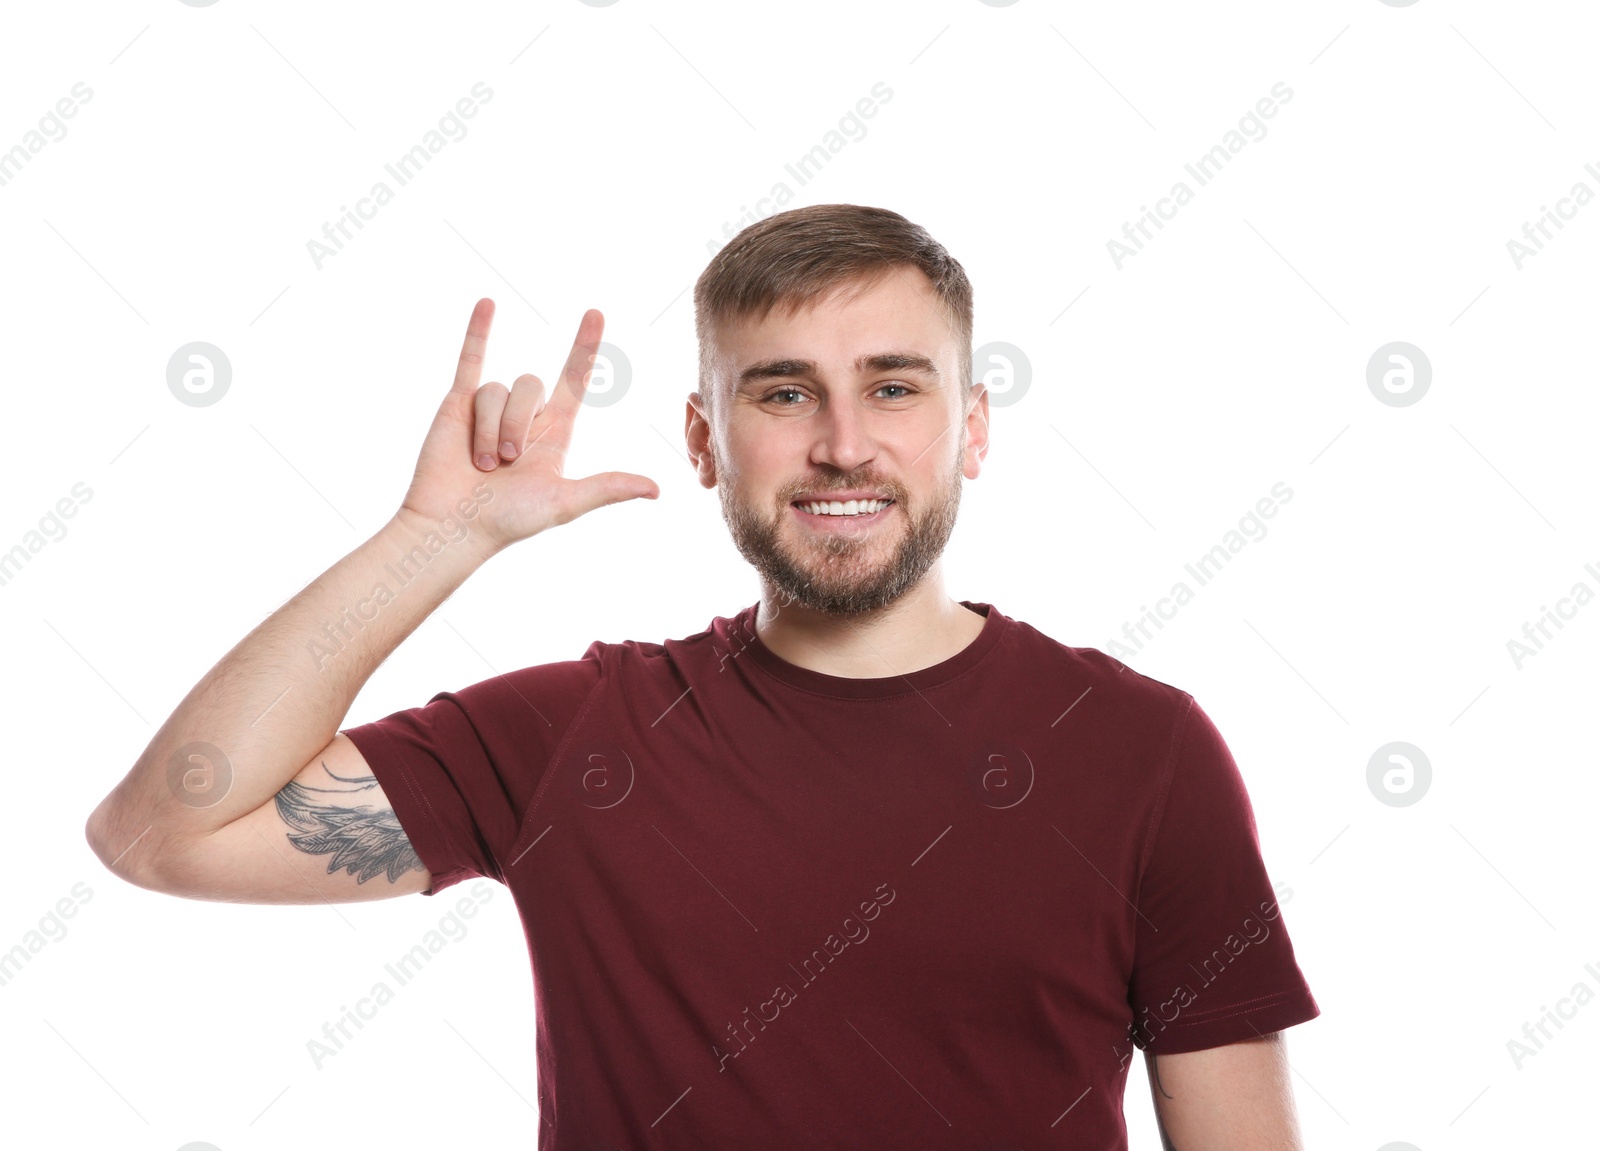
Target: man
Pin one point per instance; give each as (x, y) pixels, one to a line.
(858, 865)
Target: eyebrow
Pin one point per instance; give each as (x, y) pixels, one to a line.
(879, 362)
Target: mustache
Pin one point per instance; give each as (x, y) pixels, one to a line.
(890, 488)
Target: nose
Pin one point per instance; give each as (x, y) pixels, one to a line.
(844, 437)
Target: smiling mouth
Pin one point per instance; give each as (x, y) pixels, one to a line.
(842, 509)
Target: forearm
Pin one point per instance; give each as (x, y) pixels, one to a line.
(277, 698)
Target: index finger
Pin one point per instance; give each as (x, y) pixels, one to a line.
(469, 369)
(567, 397)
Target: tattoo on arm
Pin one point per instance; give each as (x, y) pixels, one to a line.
(363, 840)
(1157, 1093)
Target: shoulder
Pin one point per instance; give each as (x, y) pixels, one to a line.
(1116, 688)
(672, 656)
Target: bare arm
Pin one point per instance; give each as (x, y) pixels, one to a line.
(1232, 1098)
(249, 765)
(275, 701)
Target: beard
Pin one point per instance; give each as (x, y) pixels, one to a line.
(835, 573)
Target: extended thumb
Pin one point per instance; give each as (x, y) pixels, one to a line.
(614, 487)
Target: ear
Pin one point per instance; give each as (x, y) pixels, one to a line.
(697, 437)
(977, 433)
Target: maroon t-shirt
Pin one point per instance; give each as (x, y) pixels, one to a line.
(768, 907)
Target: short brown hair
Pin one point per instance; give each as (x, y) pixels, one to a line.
(796, 257)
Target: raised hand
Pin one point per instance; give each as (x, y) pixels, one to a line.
(501, 452)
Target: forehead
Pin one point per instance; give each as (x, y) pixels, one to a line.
(899, 312)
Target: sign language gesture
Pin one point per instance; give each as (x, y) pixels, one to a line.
(512, 444)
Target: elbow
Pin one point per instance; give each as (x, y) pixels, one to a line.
(136, 852)
(94, 833)
(113, 843)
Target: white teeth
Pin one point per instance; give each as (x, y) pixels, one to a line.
(846, 508)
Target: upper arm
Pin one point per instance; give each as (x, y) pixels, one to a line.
(329, 836)
(1237, 1096)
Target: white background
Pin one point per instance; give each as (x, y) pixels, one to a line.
(1167, 397)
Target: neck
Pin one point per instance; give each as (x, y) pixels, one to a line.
(921, 628)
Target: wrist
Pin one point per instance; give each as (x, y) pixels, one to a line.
(460, 535)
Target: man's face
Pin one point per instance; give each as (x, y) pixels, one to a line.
(851, 397)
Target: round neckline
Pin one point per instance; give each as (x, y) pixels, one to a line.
(845, 687)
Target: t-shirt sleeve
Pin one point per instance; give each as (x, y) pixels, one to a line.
(462, 769)
(1213, 963)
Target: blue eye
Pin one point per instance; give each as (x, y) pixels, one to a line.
(772, 397)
